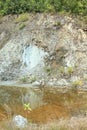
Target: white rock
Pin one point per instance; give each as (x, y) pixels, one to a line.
(33, 56)
(62, 82)
(36, 83)
(20, 121)
(74, 78)
(50, 83)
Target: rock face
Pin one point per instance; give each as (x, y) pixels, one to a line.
(50, 46)
(33, 56)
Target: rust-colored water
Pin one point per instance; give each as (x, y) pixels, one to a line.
(57, 105)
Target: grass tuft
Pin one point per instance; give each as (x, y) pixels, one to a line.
(22, 18)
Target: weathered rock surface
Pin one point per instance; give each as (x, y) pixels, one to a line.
(43, 48)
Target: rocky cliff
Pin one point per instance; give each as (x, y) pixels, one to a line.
(43, 48)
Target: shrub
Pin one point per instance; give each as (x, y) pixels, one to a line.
(22, 6)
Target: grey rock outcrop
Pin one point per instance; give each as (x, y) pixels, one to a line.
(40, 44)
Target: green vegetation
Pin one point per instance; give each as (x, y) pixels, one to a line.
(48, 69)
(58, 24)
(77, 83)
(23, 79)
(62, 70)
(22, 6)
(22, 18)
(54, 128)
(26, 79)
(21, 26)
(66, 71)
(33, 79)
(70, 70)
(85, 78)
(27, 107)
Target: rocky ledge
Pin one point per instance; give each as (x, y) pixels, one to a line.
(43, 49)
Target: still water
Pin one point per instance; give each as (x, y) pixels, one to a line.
(47, 103)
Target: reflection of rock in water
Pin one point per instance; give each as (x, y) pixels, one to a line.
(3, 113)
(46, 103)
(20, 95)
(33, 98)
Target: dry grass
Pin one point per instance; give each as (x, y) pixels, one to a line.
(75, 123)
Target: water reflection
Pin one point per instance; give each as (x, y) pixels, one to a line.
(46, 103)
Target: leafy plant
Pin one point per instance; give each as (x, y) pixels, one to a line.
(27, 107)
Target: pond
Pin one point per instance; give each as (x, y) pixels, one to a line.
(47, 103)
